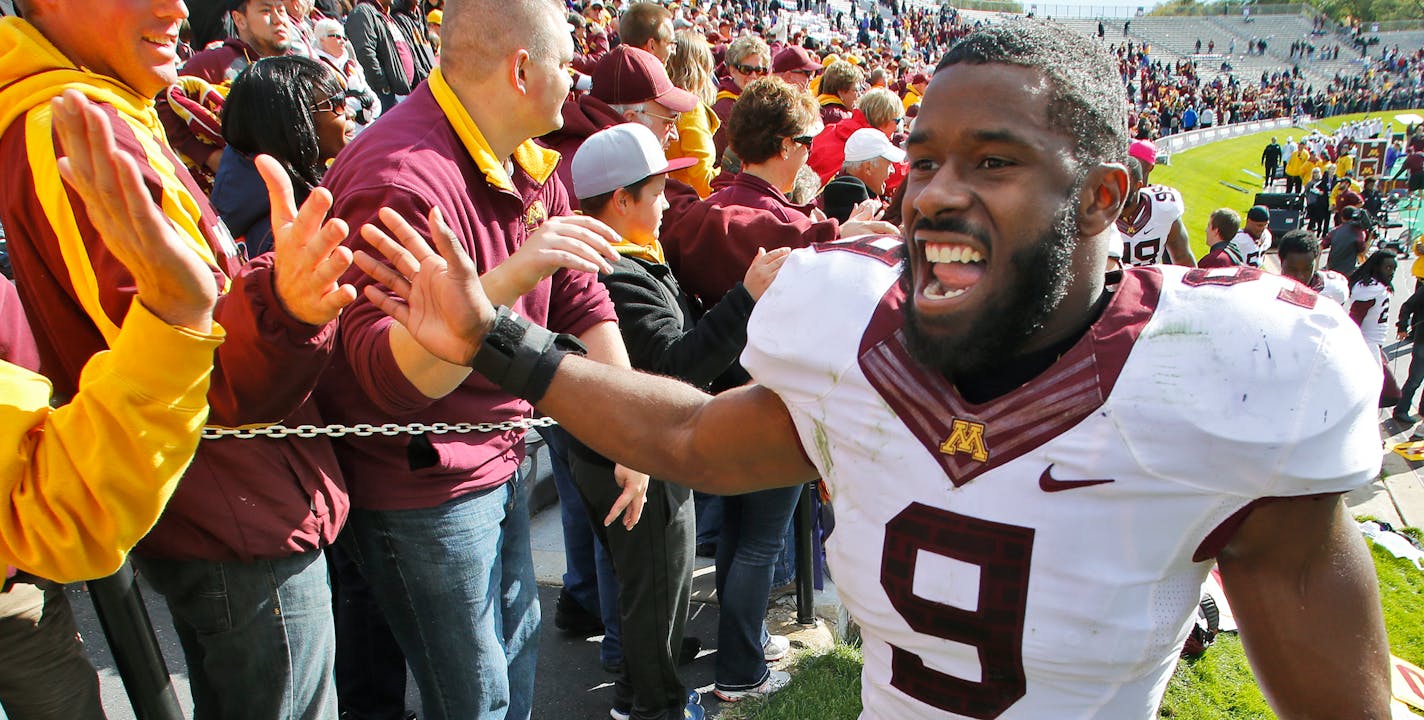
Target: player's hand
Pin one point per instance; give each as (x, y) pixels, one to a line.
(635, 494)
(852, 228)
(437, 296)
(576, 242)
(172, 280)
(1400, 335)
(764, 270)
(309, 258)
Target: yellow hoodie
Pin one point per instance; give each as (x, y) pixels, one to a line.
(33, 72)
(81, 484)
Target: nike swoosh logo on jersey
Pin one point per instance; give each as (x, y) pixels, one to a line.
(1047, 483)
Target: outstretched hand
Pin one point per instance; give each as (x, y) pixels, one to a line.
(309, 258)
(171, 279)
(437, 296)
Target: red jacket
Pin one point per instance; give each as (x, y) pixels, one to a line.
(828, 150)
(714, 241)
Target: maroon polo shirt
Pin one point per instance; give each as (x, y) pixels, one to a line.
(409, 160)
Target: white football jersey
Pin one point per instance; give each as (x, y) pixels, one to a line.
(1375, 326)
(1144, 236)
(1252, 248)
(1041, 555)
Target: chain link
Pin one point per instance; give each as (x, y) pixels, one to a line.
(363, 430)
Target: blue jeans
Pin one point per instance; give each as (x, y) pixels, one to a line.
(753, 532)
(709, 517)
(258, 637)
(456, 583)
(588, 573)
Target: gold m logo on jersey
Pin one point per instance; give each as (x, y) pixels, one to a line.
(966, 437)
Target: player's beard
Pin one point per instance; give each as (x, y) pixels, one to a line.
(1013, 314)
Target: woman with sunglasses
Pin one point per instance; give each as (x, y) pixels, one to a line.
(292, 108)
(747, 58)
(710, 247)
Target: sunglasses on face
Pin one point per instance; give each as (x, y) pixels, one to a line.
(750, 69)
(805, 140)
(807, 73)
(336, 105)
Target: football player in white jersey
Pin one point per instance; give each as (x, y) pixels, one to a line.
(1032, 463)
(1371, 286)
(1151, 222)
(1299, 252)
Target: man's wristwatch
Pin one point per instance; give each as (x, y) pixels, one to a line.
(521, 357)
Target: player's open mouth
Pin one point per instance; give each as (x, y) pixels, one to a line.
(953, 269)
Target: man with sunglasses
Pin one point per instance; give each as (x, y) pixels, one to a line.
(796, 67)
(748, 58)
(629, 85)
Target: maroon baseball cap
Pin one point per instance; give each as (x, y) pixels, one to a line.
(627, 75)
(794, 57)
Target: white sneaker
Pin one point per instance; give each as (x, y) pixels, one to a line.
(774, 682)
(776, 648)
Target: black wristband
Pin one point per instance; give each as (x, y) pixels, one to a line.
(521, 357)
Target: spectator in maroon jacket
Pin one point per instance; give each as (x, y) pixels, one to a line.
(263, 30)
(713, 243)
(841, 86)
(440, 525)
(1220, 229)
(746, 59)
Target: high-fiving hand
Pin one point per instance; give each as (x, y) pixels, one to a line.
(309, 258)
(171, 279)
(437, 296)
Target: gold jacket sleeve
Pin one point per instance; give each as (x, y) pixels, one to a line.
(81, 484)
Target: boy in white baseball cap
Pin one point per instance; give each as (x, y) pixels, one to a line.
(618, 175)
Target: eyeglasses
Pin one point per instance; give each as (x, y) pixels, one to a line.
(804, 140)
(807, 73)
(670, 120)
(336, 105)
(751, 69)
(338, 36)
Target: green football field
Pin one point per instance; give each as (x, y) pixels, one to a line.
(1205, 175)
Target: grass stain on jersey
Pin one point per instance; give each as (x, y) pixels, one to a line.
(823, 446)
(1175, 328)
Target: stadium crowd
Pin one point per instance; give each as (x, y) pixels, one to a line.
(197, 206)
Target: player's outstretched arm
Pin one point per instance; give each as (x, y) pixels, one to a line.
(1304, 592)
(740, 441)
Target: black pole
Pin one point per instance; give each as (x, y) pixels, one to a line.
(125, 621)
(805, 571)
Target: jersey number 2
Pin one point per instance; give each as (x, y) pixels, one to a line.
(994, 628)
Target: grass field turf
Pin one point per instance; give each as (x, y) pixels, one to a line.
(1198, 173)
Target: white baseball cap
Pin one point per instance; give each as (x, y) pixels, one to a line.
(869, 143)
(620, 156)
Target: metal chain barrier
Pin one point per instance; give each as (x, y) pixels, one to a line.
(363, 430)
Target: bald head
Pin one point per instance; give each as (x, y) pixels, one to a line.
(480, 34)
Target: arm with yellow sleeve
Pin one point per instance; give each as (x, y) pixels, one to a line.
(83, 483)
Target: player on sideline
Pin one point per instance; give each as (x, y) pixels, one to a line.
(1151, 219)
(1032, 463)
